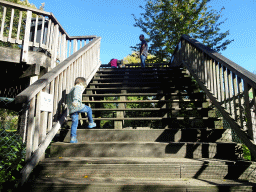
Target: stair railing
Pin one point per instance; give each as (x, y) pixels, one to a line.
(44, 101)
(231, 88)
(38, 30)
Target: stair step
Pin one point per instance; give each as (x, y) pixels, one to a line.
(151, 109)
(147, 101)
(149, 118)
(138, 185)
(140, 88)
(150, 135)
(144, 149)
(161, 168)
(179, 94)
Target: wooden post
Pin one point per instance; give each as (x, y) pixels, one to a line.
(120, 114)
(55, 46)
(26, 37)
(2, 24)
(30, 128)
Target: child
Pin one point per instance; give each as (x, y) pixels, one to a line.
(75, 106)
(113, 63)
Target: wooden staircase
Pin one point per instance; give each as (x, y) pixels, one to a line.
(155, 132)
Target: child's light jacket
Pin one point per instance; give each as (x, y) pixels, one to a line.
(74, 99)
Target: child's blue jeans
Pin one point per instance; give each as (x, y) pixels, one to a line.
(74, 117)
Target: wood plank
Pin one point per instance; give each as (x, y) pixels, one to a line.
(37, 121)
(42, 32)
(143, 101)
(19, 26)
(33, 70)
(150, 109)
(2, 24)
(35, 32)
(30, 129)
(26, 37)
(11, 25)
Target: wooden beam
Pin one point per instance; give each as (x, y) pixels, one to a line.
(33, 70)
(14, 55)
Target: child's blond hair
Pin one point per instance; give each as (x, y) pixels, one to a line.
(81, 81)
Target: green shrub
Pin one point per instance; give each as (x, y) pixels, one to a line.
(12, 152)
(247, 154)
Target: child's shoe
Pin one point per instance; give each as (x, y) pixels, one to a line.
(91, 125)
(73, 140)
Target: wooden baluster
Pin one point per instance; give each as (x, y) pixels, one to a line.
(37, 121)
(226, 89)
(60, 87)
(55, 100)
(35, 33)
(231, 95)
(55, 46)
(69, 84)
(50, 114)
(49, 32)
(202, 67)
(26, 37)
(247, 88)
(205, 69)
(86, 65)
(10, 29)
(63, 48)
(72, 74)
(240, 101)
(253, 109)
(75, 46)
(64, 90)
(42, 32)
(18, 32)
(222, 88)
(211, 75)
(70, 45)
(215, 79)
(2, 24)
(218, 82)
(82, 66)
(58, 56)
(30, 128)
(236, 97)
(51, 38)
(43, 122)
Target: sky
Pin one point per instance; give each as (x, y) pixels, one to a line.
(112, 20)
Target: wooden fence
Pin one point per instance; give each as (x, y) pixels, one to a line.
(230, 87)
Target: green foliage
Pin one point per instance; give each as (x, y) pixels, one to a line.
(11, 159)
(135, 58)
(12, 150)
(8, 119)
(247, 154)
(164, 21)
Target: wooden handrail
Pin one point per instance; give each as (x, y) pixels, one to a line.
(52, 38)
(231, 88)
(32, 90)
